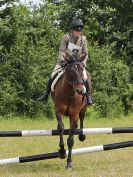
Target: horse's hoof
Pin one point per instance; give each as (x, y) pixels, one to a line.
(68, 166)
(82, 137)
(62, 153)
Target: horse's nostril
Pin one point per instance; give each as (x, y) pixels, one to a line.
(79, 91)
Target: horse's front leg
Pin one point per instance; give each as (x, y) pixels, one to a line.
(60, 127)
(70, 143)
(82, 137)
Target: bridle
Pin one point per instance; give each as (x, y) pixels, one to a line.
(72, 82)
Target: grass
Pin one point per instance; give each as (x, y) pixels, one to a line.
(115, 163)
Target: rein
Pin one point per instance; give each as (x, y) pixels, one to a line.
(74, 82)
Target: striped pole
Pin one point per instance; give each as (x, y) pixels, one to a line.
(74, 152)
(66, 132)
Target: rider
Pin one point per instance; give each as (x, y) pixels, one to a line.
(71, 41)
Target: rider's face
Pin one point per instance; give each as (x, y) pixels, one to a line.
(76, 33)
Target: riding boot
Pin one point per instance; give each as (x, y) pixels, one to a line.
(88, 93)
(45, 95)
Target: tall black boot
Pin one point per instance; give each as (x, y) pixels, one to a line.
(88, 93)
(45, 95)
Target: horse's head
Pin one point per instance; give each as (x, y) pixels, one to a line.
(75, 75)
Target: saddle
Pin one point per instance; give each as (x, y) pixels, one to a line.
(55, 80)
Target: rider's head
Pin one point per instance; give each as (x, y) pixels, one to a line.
(76, 27)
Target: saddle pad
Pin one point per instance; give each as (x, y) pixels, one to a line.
(55, 80)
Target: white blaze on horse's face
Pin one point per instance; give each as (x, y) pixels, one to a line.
(83, 90)
(85, 74)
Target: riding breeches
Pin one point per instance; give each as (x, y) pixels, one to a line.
(56, 70)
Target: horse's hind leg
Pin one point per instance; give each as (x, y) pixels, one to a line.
(60, 127)
(82, 137)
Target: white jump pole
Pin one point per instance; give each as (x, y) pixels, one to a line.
(24, 133)
(74, 152)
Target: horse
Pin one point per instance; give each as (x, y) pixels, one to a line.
(69, 99)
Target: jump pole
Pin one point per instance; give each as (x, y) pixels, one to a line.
(66, 132)
(74, 152)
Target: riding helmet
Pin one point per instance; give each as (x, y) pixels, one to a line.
(77, 23)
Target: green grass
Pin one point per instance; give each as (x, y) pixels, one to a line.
(115, 163)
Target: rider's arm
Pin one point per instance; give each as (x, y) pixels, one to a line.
(84, 54)
(63, 48)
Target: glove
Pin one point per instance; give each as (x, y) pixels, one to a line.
(63, 63)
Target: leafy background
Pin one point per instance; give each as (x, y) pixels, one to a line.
(30, 36)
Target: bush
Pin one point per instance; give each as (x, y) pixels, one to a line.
(108, 106)
(110, 78)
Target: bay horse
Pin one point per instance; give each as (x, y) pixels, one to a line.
(69, 99)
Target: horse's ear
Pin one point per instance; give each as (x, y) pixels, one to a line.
(82, 57)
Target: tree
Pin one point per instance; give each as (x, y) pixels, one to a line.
(29, 42)
(27, 61)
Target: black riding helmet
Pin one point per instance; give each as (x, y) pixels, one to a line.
(76, 24)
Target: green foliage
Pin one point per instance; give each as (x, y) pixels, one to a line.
(29, 43)
(28, 63)
(110, 78)
(106, 22)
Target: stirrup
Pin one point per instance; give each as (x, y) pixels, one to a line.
(89, 100)
(44, 97)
